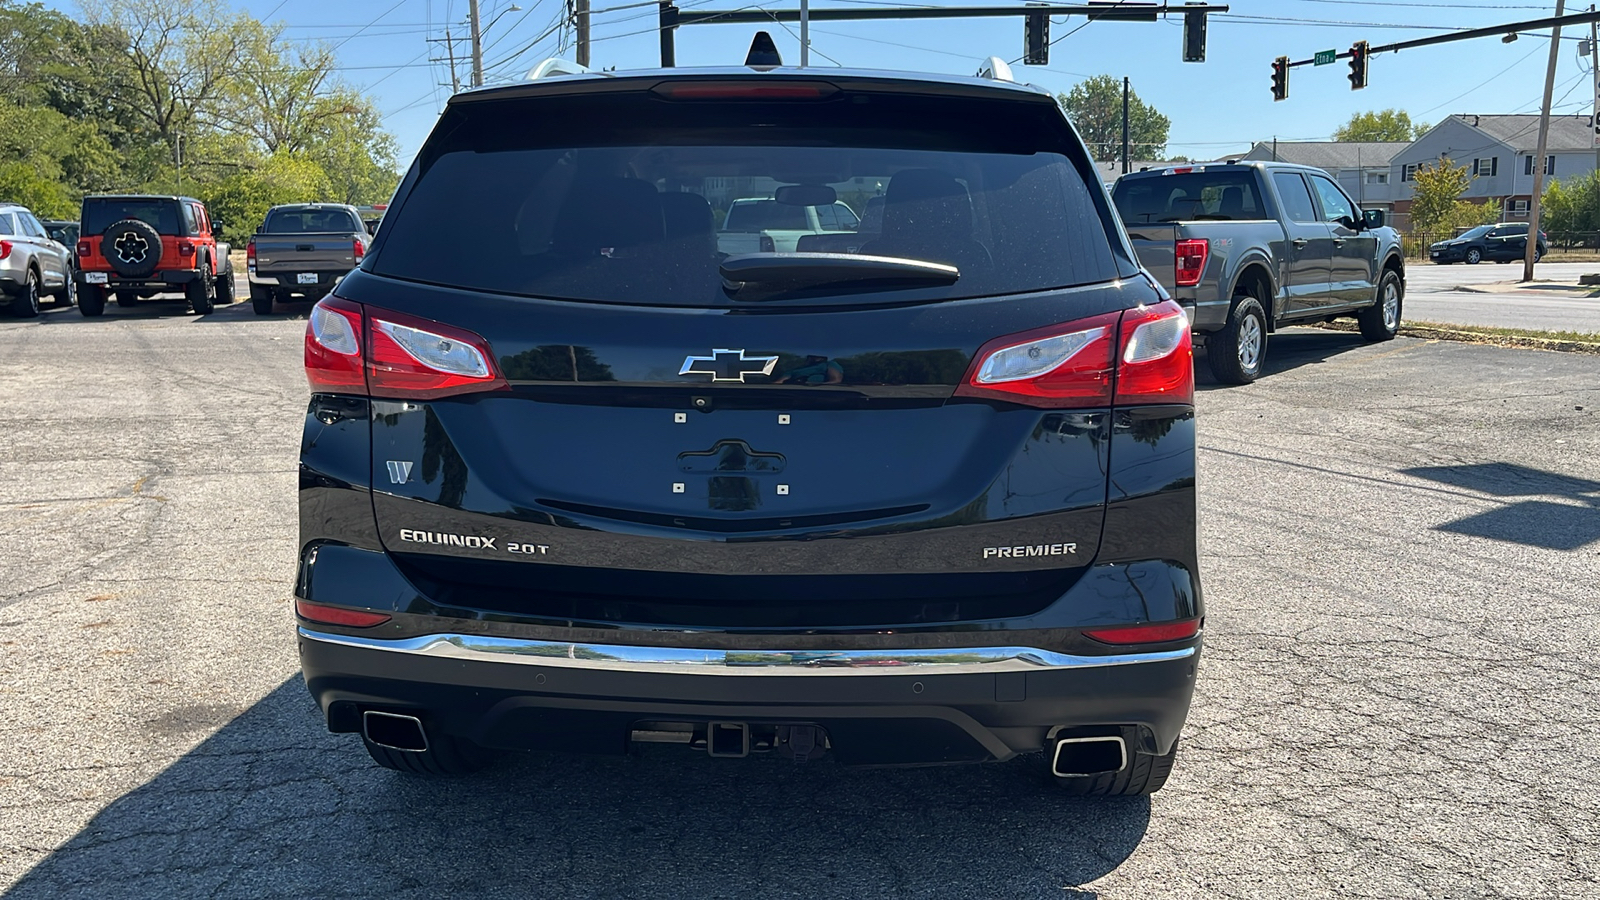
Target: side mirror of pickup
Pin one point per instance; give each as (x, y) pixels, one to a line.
(1372, 218)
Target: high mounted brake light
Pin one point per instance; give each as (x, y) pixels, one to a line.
(1140, 356)
(744, 90)
(357, 349)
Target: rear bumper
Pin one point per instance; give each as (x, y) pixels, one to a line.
(157, 281)
(954, 705)
(289, 280)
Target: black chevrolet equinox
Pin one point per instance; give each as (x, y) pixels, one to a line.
(909, 478)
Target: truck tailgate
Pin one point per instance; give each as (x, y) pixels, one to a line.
(290, 253)
(1153, 243)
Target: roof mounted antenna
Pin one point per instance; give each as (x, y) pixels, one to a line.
(996, 69)
(556, 66)
(763, 53)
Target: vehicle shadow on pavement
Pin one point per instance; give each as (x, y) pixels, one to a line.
(1286, 350)
(1537, 523)
(272, 805)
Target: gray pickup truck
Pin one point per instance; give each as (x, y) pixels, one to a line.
(303, 249)
(1249, 247)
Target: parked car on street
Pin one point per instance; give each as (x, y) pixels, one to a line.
(758, 224)
(302, 250)
(1502, 243)
(32, 264)
(138, 246)
(1249, 247)
(571, 479)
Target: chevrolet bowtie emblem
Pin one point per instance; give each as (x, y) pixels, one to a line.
(728, 365)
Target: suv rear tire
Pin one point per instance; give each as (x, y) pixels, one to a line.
(25, 302)
(1144, 774)
(92, 301)
(201, 292)
(445, 756)
(1237, 350)
(1381, 320)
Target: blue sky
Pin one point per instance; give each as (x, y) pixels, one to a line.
(1216, 107)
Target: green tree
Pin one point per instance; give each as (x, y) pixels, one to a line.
(1095, 107)
(1570, 206)
(241, 200)
(1435, 191)
(1382, 125)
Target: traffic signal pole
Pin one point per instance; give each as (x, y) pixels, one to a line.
(671, 18)
(1544, 137)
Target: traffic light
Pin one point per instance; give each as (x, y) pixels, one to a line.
(1280, 78)
(1036, 39)
(1358, 65)
(1194, 37)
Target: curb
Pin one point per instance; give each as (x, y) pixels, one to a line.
(1441, 333)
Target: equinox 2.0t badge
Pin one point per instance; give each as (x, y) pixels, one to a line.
(131, 247)
(728, 365)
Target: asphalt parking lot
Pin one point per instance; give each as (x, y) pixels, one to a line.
(1399, 696)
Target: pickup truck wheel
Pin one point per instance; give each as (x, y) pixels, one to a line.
(1144, 774)
(25, 302)
(445, 756)
(1474, 256)
(1381, 320)
(202, 292)
(261, 299)
(92, 301)
(1236, 352)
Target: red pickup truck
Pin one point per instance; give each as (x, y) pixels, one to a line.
(135, 246)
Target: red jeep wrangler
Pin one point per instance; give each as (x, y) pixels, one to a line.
(137, 246)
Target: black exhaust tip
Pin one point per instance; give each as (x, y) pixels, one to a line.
(394, 730)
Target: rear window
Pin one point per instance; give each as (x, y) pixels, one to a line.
(98, 215)
(309, 221)
(641, 205)
(1210, 194)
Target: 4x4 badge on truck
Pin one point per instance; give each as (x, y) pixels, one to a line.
(131, 247)
(728, 365)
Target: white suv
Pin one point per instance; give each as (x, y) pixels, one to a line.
(31, 264)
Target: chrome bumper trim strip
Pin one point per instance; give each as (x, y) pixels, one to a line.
(618, 657)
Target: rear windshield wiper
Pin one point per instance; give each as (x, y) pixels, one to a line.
(768, 275)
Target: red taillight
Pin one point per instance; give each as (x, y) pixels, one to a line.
(352, 349)
(1150, 633)
(1140, 356)
(334, 341)
(338, 615)
(359, 249)
(5, 249)
(1157, 361)
(1191, 256)
(84, 249)
(185, 248)
(744, 90)
(250, 252)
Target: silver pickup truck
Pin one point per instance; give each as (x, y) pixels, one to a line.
(303, 249)
(1249, 247)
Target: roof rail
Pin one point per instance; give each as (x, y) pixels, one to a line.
(996, 69)
(556, 66)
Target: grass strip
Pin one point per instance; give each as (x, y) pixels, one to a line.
(1562, 341)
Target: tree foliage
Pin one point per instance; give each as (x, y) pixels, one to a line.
(1436, 190)
(1095, 108)
(102, 104)
(1571, 205)
(1381, 125)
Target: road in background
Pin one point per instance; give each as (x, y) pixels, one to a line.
(1431, 297)
(1399, 694)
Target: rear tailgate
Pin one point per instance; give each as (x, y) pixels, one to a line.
(1154, 243)
(287, 255)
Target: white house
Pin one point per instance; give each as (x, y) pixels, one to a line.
(1499, 152)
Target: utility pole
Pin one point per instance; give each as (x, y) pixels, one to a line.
(177, 155)
(580, 21)
(805, 33)
(1544, 138)
(1594, 64)
(1125, 163)
(477, 44)
(450, 50)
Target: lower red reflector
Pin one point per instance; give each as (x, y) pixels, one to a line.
(1153, 633)
(338, 615)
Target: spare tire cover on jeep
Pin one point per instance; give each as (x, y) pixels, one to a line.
(132, 247)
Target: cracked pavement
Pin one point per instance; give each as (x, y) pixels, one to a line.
(1398, 699)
